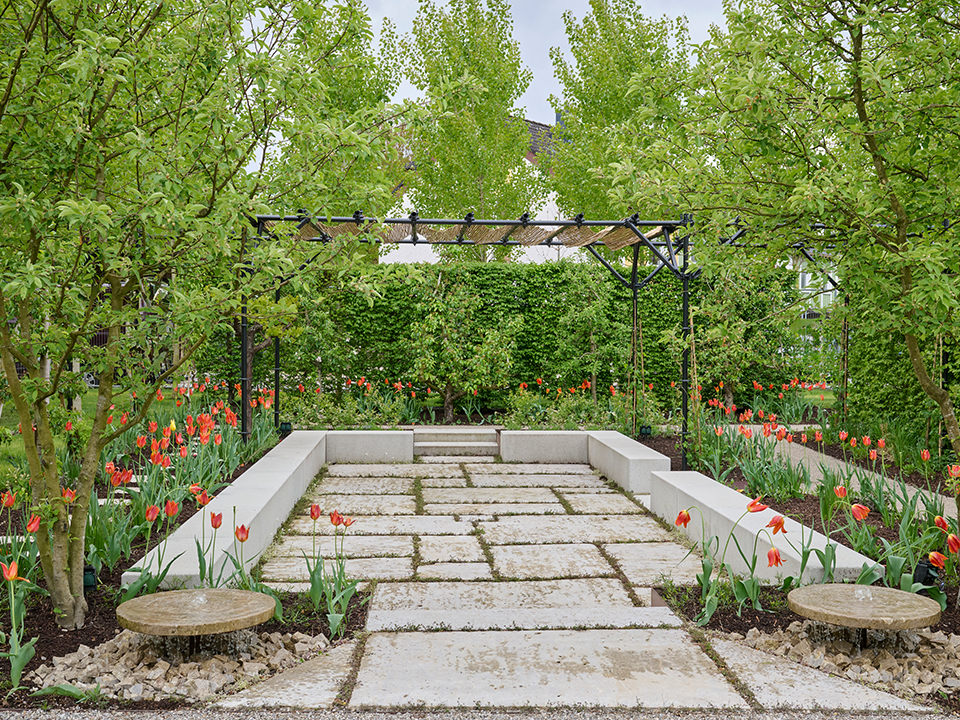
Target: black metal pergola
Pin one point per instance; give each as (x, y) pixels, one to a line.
(668, 241)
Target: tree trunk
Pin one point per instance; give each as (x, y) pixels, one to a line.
(449, 396)
(936, 393)
(728, 394)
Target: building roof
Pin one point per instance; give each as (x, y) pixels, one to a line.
(541, 137)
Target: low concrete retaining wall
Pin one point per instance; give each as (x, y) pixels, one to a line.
(625, 461)
(720, 507)
(544, 446)
(369, 446)
(263, 498)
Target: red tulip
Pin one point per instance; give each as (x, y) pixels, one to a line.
(203, 498)
(109, 468)
(348, 521)
(34, 524)
(756, 506)
(953, 543)
(925, 455)
(840, 491)
(242, 532)
(777, 525)
(941, 523)
(936, 559)
(773, 558)
(843, 435)
(315, 512)
(171, 508)
(859, 511)
(216, 519)
(69, 495)
(152, 426)
(141, 441)
(853, 442)
(183, 451)
(683, 518)
(69, 426)
(881, 443)
(336, 518)
(866, 441)
(152, 512)
(873, 454)
(9, 499)
(803, 438)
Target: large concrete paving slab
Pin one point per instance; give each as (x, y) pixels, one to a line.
(388, 525)
(367, 504)
(489, 495)
(352, 546)
(522, 619)
(780, 683)
(445, 549)
(314, 683)
(609, 668)
(413, 470)
(488, 510)
(532, 469)
(550, 561)
(645, 563)
(600, 504)
(598, 593)
(573, 529)
(535, 480)
(455, 571)
(295, 569)
(444, 482)
(365, 486)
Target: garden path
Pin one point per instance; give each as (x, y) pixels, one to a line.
(510, 585)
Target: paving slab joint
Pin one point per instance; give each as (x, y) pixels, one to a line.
(700, 638)
(564, 502)
(486, 550)
(346, 691)
(621, 575)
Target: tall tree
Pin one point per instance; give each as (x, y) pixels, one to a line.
(472, 156)
(134, 139)
(832, 123)
(613, 42)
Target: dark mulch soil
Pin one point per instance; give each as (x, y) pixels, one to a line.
(915, 478)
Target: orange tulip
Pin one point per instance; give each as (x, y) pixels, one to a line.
(840, 491)
(936, 559)
(683, 518)
(34, 524)
(336, 518)
(216, 519)
(203, 498)
(242, 532)
(152, 512)
(315, 512)
(9, 499)
(925, 455)
(777, 525)
(10, 572)
(941, 523)
(756, 506)
(953, 543)
(773, 558)
(348, 521)
(69, 495)
(171, 508)
(860, 512)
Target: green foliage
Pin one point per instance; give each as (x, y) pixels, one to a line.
(471, 156)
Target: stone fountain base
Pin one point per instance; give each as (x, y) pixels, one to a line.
(132, 666)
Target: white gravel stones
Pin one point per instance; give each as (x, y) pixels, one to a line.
(128, 667)
(439, 548)
(779, 683)
(550, 561)
(645, 563)
(573, 528)
(609, 668)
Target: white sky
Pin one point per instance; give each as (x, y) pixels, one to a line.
(538, 26)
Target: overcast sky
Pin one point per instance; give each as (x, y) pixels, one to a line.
(538, 26)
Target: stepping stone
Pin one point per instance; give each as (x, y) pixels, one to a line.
(536, 480)
(350, 505)
(411, 470)
(353, 546)
(522, 618)
(573, 528)
(780, 683)
(445, 482)
(442, 549)
(597, 504)
(489, 495)
(599, 593)
(295, 569)
(532, 469)
(610, 668)
(455, 571)
(387, 525)
(551, 561)
(314, 683)
(645, 563)
(473, 459)
(365, 486)
(489, 510)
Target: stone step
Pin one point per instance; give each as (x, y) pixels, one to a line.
(454, 434)
(457, 447)
(521, 618)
